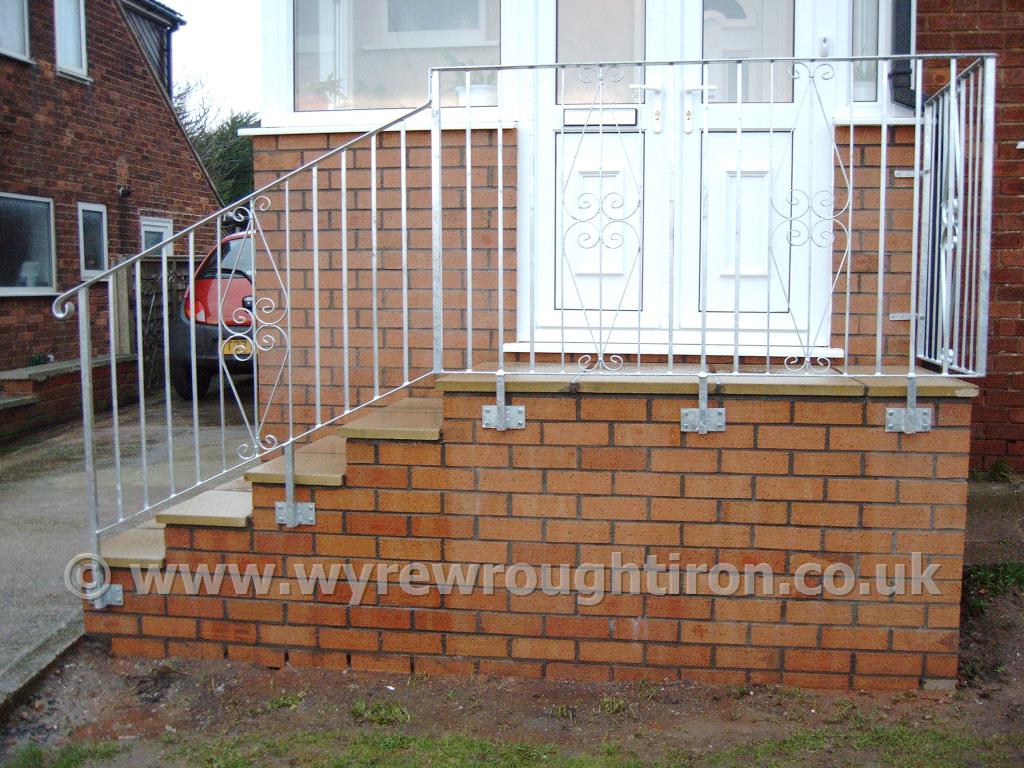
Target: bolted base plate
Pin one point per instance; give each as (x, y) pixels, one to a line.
(113, 595)
(702, 421)
(302, 513)
(908, 420)
(515, 417)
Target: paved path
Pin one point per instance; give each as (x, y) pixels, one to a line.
(43, 511)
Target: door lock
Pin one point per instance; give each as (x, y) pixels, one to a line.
(693, 94)
(654, 89)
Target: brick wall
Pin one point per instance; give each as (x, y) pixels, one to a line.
(790, 481)
(60, 398)
(995, 25)
(75, 142)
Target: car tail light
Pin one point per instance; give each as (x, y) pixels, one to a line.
(200, 310)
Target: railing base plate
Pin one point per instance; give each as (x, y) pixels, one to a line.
(300, 513)
(909, 421)
(702, 420)
(514, 417)
(113, 595)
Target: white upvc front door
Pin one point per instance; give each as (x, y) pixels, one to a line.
(639, 176)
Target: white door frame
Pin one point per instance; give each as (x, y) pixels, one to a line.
(818, 25)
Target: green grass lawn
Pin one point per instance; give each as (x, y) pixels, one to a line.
(861, 743)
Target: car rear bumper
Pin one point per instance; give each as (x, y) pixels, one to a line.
(210, 340)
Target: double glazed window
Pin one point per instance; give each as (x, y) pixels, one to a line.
(154, 232)
(27, 246)
(92, 239)
(69, 22)
(14, 28)
(371, 54)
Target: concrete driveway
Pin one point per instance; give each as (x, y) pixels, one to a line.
(43, 517)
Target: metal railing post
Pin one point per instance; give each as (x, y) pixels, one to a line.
(88, 416)
(985, 252)
(436, 202)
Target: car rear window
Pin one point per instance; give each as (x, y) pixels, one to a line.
(235, 257)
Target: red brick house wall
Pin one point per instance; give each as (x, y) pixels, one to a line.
(995, 25)
(76, 141)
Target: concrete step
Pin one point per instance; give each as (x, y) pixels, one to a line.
(142, 546)
(219, 508)
(229, 506)
(17, 401)
(321, 462)
(415, 418)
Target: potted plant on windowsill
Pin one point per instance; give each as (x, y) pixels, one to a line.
(482, 90)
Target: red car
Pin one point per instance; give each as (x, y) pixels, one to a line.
(224, 335)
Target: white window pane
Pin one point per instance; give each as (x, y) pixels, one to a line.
(744, 29)
(154, 232)
(151, 237)
(94, 241)
(70, 47)
(366, 54)
(12, 27)
(417, 16)
(865, 43)
(600, 31)
(26, 246)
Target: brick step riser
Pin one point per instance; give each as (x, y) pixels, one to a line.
(791, 480)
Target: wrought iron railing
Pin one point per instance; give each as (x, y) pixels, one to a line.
(579, 220)
(866, 229)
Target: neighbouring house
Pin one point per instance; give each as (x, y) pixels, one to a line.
(95, 166)
(604, 283)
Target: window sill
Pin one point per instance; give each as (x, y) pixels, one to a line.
(20, 293)
(872, 115)
(679, 348)
(18, 57)
(362, 120)
(78, 77)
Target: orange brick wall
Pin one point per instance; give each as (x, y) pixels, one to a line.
(790, 481)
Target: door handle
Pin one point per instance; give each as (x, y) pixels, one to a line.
(693, 93)
(658, 105)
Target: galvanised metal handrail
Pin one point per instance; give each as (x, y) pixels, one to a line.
(352, 301)
(262, 328)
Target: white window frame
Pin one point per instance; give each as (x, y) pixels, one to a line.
(277, 40)
(38, 290)
(64, 68)
(102, 210)
(156, 223)
(25, 55)
(871, 112)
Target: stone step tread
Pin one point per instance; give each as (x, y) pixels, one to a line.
(321, 462)
(415, 418)
(142, 546)
(219, 508)
(17, 401)
(237, 484)
(652, 380)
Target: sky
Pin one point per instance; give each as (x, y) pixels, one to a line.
(220, 46)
